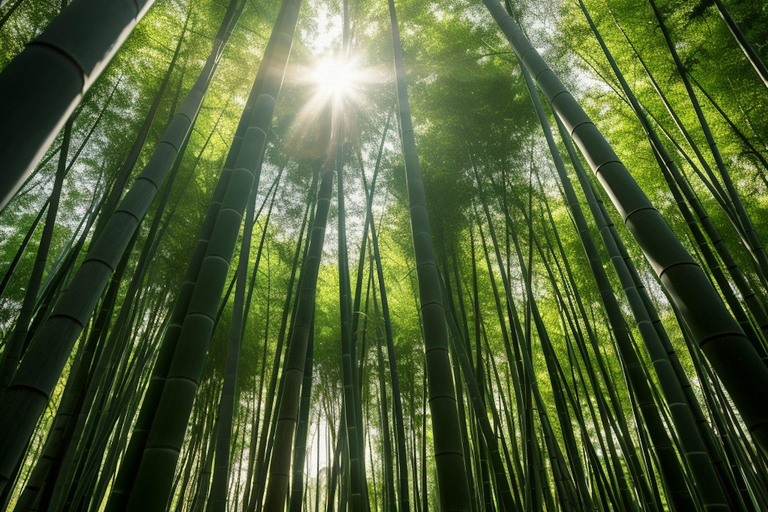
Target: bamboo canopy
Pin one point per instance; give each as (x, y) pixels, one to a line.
(397, 255)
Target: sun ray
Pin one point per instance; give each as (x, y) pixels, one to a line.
(335, 83)
(336, 78)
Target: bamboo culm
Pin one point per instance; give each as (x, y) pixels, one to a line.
(34, 380)
(717, 334)
(453, 482)
(71, 52)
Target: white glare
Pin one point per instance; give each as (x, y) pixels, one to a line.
(336, 78)
(341, 84)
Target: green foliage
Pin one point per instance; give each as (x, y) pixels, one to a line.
(471, 114)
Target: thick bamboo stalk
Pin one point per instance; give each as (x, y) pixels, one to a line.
(651, 332)
(453, 483)
(129, 466)
(299, 255)
(166, 436)
(670, 170)
(30, 389)
(217, 501)
(718, 335)
(72, 51)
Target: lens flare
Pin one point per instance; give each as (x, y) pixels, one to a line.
(336, 78)
(335, 85)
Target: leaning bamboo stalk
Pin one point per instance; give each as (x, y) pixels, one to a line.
(671, 469)
(743, 42)
(754, 243)
(120, 328)
(267, 441)
(129, 465)
(718, 335)
(31, 387)
(710, 180)
(611, 421)
(389, 496)
(506, 499)
(651, 332)
(669, 169)
(166, 436)
(128, 164)
(560, 391)
(21, 334)
(72, 52)
(713, 450)
(9, 272)
(565, 486)
(529, 468)
(300, 443)
(750, 148)
(217, 500)
(662, 354)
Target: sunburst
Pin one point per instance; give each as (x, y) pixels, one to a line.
(338, 86)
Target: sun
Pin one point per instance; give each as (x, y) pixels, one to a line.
(336, 78)
(336, 87)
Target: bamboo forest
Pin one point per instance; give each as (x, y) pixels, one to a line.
(383, 255)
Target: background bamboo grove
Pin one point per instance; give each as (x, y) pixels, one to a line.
(372, 255)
